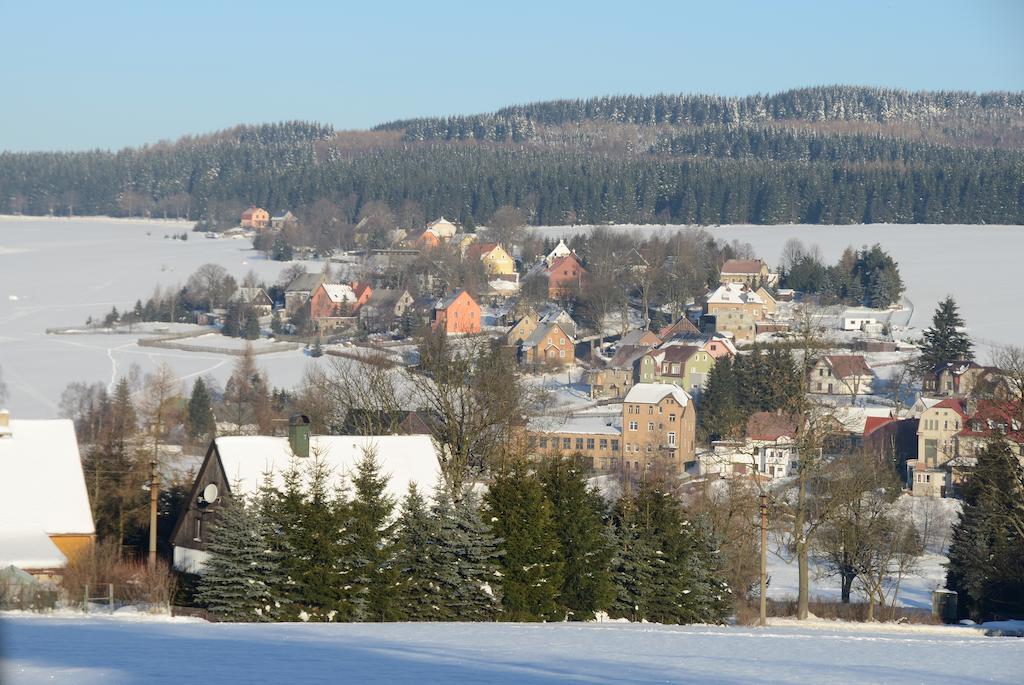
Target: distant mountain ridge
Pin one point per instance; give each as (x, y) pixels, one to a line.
(830, 154)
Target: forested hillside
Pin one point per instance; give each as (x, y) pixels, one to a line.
(817, 155)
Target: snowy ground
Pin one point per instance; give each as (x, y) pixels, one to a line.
(976, 264)
(85, 651)
(56, 272)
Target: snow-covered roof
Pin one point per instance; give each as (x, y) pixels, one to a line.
(405, 458)
(734, 293)
(28, 549)
(560, 250)
(41, 483)
(339, 292)
(593, 425)
(652, 393)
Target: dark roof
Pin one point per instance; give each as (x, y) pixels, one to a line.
(305, 283)
(626, 356)
(683, 325)
(448, 301)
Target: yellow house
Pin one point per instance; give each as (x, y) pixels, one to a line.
(496, 261)
(44, 505)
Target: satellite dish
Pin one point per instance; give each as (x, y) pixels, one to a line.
(210, 493)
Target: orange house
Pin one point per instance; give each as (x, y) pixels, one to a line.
(457, 313)
(363, 292)
(566, 277)
(332, 300)
(255, 217)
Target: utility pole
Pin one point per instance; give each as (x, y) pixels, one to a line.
(152, 512)
(764, 559)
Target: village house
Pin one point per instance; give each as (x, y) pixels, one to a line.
(753, 273)
(457, 313)
(639, 336)
(255, 217)
(595, 439)
(682, 327)
(362, 292)
(768, 450)
(549, 345)
(683, 365)
(560, 250)
(523, 328)
(614, 378)
(255, 298)
(45, 517)
(300, 289)
(658, 428)
(566, 277)
(735, 309)
(930, 475)
(236, 465)
(496, 261)
(955, 378)
(841, 374)
(332, 304)
(385, 309)
(433, 235)
(283, 220)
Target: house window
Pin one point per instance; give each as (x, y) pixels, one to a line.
(561, 353)
(650, 410)
(648, 447)
(603, 443)
(532, 442)
(615, 445)
(650, 425)
(671, 439)
(590, 444)
(544, 443)
(579, 443)
(632, 425)
(566, 443)
(671, 418)
(561, 341)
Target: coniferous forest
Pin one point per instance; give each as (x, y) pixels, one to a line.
(829, 155)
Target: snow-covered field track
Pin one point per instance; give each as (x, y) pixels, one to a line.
(85, 651)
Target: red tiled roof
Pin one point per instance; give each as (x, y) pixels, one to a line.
(954, 404)
(764, 425)
(557, 264)
(847, 365)
(478, 250)
(873, 423)
(742, 266)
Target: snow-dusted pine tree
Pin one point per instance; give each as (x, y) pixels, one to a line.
(418, 594)
(471, 548)
(230, 587)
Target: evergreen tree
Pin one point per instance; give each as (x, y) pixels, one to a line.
(531, 566)
(317, 350)
(231, 586)
(633, 563)
(370, 543)
(282, 250)
(986, 556)
(268, 566)
(201, 422)
(251, 328)
(944, 341)
(721, 414)
(276, 325)
(232, 321)
(423, 582)
(578, 513)
(468, 546)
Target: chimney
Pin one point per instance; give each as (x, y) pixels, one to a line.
(298, 435)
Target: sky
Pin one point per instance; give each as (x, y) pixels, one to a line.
(83, 75)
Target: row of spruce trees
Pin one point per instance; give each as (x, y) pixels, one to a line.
(540, 545)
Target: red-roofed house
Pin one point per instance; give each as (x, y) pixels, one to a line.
(362, 292)
(752, 272)
(566, 277)
(255, 217)
(841, 374)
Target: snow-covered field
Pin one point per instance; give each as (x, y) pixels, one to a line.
(86, 651)
(56, 272)
(976, 264)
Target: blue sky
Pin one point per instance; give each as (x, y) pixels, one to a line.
(81, 75)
